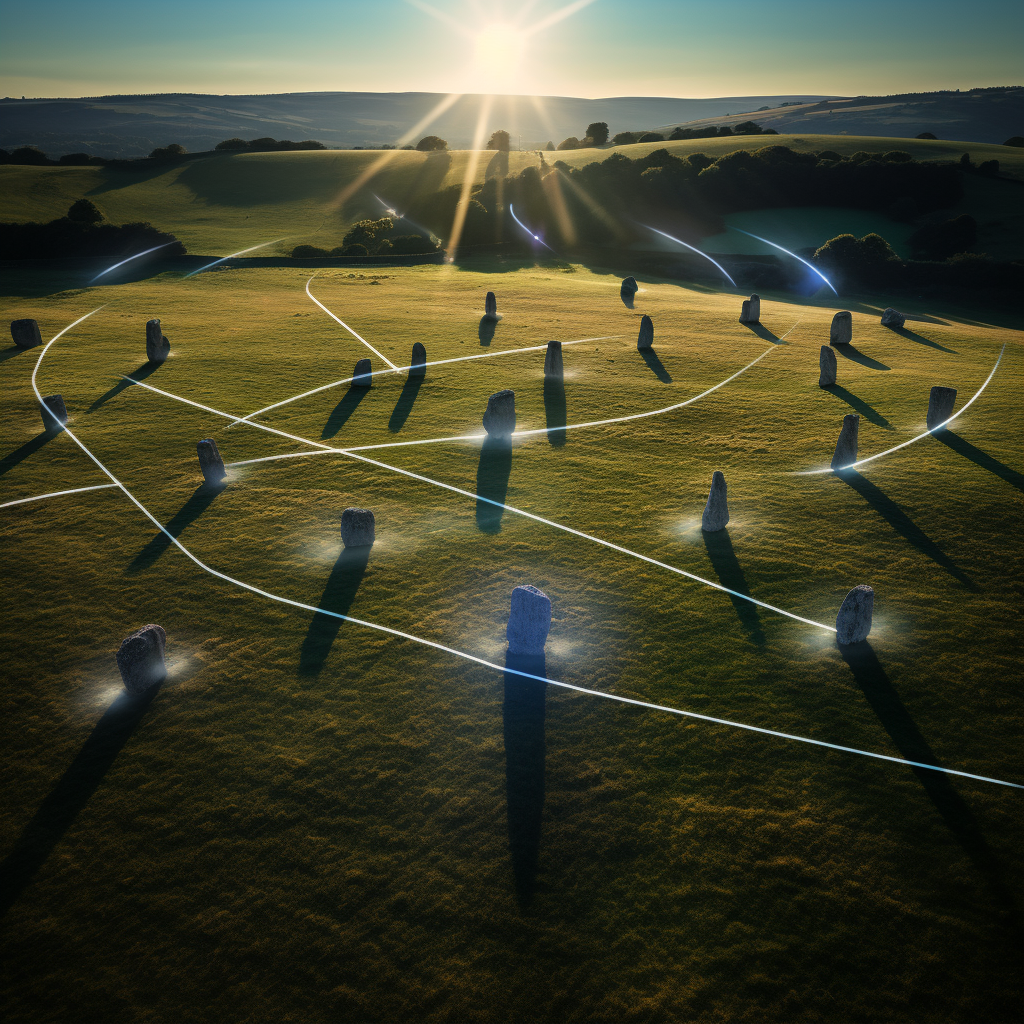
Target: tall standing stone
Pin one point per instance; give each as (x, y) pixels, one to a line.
(140, 658)
(529, 621)
(827, 365)
(716, 511)
(553, 369)
(645, 339)
(157, 345)
(841, 332)
(629, 286)
(750, 312)
(358, 529)
(846, 446)
(500, 414)
(362, 377)
(893, 318)
(25, 333)
(210, 461)
(940, 406)
(490, 305)
(418, 367)
(853, 623)
(54, 412)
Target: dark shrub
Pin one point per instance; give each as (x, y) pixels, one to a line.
(85, 212)
(625, 139)
(355, 249)
(940, 241)
(369, 233)
(769, 131)
(570, 143)
(499, 140)
(75, 159)
(171, 152)
(430, 144)
(725, 130)
(1015, 140)
(308, 252)
(896, 156)
(926, 135)
(651, 137)
(828, 154)
(412, 245)
(989, 168)
(29, 155)
(747, 128)
(550, 147)
(232, 144)
(870, 259)
(598, 132)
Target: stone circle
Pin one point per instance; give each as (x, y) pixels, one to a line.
(358, 529)
(827, 363)
(529, 621)
(500, 414)
(553, 368)
(846, 446)
(853, 623)
(58, 413)
(140, 658)
(645, 339)
(841, 331)
(25, 333)
(750, 311)
(210, 461)
(716, 511)
(418, 363)
(893, 318)
(940, 406)
(157, 345)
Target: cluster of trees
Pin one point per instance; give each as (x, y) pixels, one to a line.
(372, 238)
(712, 131)
(259, 146)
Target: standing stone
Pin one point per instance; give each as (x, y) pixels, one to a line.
(140, 658)
(893, 318)
(940, 406)
(646, 337)
(54, 412)
(25, 333)
(529, 621)
(363, 375)
(750, 312)
(357, 528)
(853, 623)
(629, 286)
(418, 368)
(841, 332)
(828, 367)
(490, 305)
(716, 511)
(157, 345)
(553, 369)
(210, 461)
(846, 446)
(500, 415)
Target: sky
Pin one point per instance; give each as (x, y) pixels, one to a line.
(588, 48)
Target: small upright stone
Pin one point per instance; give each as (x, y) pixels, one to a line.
(210, 461)
(553, 369)
(893, 318)
(846, 446)
(418, 367)
(490, 305)
(529, 620)
(140, 658)
(629, 286)
(645, 339)
(750, 312)
(853, 623)
(363, 375)
(500, 414)
(716, 511)
(358, 529)
(940, 406)
(54, 412)
(841, 332)
(157, 345)
(828, 367)
(25, 333)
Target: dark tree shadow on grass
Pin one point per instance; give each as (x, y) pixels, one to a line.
(28, 448)
(762, 332)
(859, 405)
(914, 336)
(338, 595)
(58, 811)
(555, 411)
(980, 458)
(485, 331)
(849, 352)
(405, 402)
(124, 383)
(341, 412)
(650, 357)
(492, 475)
(730, 574)
(201, 499)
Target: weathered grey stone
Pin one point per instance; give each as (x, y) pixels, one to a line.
(716, 511)
(553, 369)
(157, 345)
(358, 529)
(827, 365)
(25, 333)
(629, 286)
(893, 318)
(841, 332)
(140, 658)
(846, 446)
(940, 406)
(500, 415)
(210, 461)
(362, 376)
(529, 620)
(490, 305)
(853, 623)
(750, 312)
(57, 411)
(418, 366)
(645, 339)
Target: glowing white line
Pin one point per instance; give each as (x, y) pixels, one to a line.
(130, 258)
(938, 426)
(793, 254)
(346, 326)
(536, 238)
(679, 241)
(56, 494)
(557, 16)
(241, 252)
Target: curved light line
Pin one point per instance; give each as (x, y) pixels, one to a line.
(241, 252)
(482, 661)
(788, 253)
(346, 326)
(679, 241)
(536, 238)
(130, 258)
(56, 494)
(889, 451)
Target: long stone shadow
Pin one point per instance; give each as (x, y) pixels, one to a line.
(762, 332)
(28, 448)
(338, 595)
(650, 357)
(555, 411)
(72, 792)
(124, 383)
(341, 412)
(405, 402)
(849, 352)
(523, 714)
(903, 524)
(492, 475)
(914, 336)
(10, 353)
(199, 501)
(497, 167)
(876, 686)
(485, 331)
(859, 405)
(730, 574)
(980, 458)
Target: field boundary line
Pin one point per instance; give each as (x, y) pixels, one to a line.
(56, 494)
(346, 326)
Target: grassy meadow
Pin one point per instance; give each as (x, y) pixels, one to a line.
(314, 821)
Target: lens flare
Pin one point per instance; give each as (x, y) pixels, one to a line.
(697, 251)
(241, 252)
(536, 238)
(130, 258)
(788, 253)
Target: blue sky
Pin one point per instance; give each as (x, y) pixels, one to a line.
(606, 48)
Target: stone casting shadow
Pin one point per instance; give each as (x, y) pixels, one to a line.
(914, 336)
(762, 332)
(650, 357)
(201, 499)
(341, 412)
(485, 332)
(405, 402)
(124, 383)
(27, 449)
(980, 458)
(523, 722)
(555, 411)
(859, 405)
(338, 595)
(71, 793)
(891, 512)
(730, 574)
(492, 475)
(849, 352)
(876, 686)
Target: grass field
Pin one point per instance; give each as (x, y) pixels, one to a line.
(313, 821)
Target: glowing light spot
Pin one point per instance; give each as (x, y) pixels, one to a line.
(138, 255)
(536, 238)
(793, 254)
(497, 56)
(679, 241)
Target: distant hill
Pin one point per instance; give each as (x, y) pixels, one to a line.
(132, 126)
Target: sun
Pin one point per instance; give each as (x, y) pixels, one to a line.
(498, 52)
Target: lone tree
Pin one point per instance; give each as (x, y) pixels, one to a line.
(430, 144)
(598, 131)
(230, 144)
(85, 212)
(499, 141)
